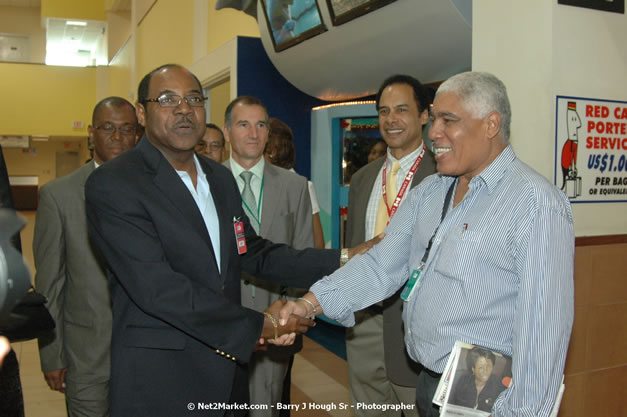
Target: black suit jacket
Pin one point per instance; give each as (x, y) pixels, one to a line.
(180, 335)
(399, 367)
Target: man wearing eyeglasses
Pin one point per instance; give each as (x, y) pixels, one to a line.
(212, 143)
(76, 359)
(171, 228)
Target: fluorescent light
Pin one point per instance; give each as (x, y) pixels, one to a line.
(64, 54)
(75, 23)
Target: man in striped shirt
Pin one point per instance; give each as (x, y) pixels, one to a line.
(484, 249)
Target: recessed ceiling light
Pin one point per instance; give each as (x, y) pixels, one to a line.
(75, 23)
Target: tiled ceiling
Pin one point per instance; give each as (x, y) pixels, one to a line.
(65, 39)
(84, 37)
(68, 43)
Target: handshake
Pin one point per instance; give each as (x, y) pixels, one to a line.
(283, 320)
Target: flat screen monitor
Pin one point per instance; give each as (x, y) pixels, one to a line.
(342, 11)
(292, 21)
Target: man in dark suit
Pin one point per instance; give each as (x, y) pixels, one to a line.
(11, 398)
(76, 360)
(380, 370)
(172, 230)
(279, 210)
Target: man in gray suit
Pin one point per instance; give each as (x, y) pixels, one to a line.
(380, 370)
(279, 208)
(76, 359)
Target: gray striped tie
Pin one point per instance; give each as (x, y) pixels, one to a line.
(249, 199)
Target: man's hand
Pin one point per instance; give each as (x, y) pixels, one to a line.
(56, 379)
(285, 331)
(365, 247)
(260, 345)
(306, 306)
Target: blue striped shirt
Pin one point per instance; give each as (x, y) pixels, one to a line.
(499, 275)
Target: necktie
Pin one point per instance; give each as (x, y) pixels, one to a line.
(249, 199)
(390, 190)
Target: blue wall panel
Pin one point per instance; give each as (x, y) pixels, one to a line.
(257, 76)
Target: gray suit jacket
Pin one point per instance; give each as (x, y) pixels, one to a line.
(285, 218)
(399, 367)
(73, 280)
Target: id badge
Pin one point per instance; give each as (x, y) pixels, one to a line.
(240, 238)
(412, 281)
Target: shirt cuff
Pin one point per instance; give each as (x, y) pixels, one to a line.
(331, 302)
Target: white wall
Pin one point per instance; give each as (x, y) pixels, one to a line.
(541, 49)
(590, 60)
(25, 21)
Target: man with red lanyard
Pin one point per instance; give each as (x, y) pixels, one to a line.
(380, 370)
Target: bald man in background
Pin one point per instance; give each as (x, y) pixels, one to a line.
(76, 358)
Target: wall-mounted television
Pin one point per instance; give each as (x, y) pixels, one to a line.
(292, 21)
(342, 11)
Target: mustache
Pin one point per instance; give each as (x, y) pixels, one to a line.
(184, 121)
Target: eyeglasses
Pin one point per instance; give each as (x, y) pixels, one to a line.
(124, 130)
(173, 100)
(212, 145)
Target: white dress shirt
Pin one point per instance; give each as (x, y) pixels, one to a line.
(206, 206)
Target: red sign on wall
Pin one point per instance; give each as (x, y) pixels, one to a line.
(591, 149)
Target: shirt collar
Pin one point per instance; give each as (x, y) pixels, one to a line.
(408, 160)
(493, 174)
(257, 169)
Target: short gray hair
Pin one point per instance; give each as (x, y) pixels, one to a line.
(482, 93)
(247, 101)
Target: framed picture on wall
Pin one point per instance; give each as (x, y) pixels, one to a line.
(292, 21)
(15, 141)
(342, 11)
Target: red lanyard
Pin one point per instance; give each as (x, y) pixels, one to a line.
(401, 192)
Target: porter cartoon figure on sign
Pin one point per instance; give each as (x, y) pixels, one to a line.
(571, 182)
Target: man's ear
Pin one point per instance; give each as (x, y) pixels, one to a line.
(90, 137)
(225, 131)
(140, 111)
(493, 124)
(424, 117)
(90, 133)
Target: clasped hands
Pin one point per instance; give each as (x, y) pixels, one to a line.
(284, 333)
(283, 320)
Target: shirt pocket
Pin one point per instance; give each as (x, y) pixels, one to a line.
(457, 255)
